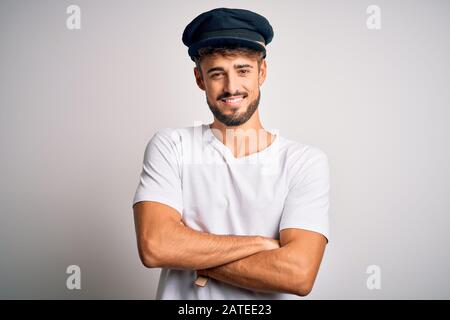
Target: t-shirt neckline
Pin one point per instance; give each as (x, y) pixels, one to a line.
(230, 154)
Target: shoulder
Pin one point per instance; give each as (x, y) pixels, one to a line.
(295, 151)
(162, 141)
(178, 134)
(169, 135)
(174, 139)
(304, 162)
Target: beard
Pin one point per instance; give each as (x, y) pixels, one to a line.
(234, 119)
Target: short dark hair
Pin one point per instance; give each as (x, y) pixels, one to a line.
(228, 51)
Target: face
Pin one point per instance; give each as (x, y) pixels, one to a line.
(231, 85)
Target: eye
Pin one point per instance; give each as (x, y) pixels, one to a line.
(215, 75)
(244, 71)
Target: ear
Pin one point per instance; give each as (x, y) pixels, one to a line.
(262, 72)
(199, 78)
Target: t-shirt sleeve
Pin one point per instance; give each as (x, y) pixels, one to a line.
(307, 203)
(160, 178)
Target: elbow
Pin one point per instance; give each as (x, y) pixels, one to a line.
(304, 285)
(150, 261)
(149, 254)
(303, 290)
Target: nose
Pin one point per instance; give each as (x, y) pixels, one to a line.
(231, 84)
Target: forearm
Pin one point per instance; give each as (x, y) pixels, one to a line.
(186, 248)
(267, 271)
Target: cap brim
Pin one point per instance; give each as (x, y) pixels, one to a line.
(224, 42)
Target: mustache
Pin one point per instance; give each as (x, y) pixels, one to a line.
(227, 95)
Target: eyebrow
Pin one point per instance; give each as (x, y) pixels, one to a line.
(236, 66)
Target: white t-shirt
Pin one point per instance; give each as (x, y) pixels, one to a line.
(286, 185)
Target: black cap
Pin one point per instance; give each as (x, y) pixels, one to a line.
(224, 27)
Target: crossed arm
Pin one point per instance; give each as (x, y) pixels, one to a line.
(253, 262)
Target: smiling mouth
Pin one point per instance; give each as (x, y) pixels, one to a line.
(233, 101)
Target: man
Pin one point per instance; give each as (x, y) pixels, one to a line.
(230, 202)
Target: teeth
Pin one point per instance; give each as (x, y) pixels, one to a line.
(233, 100)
